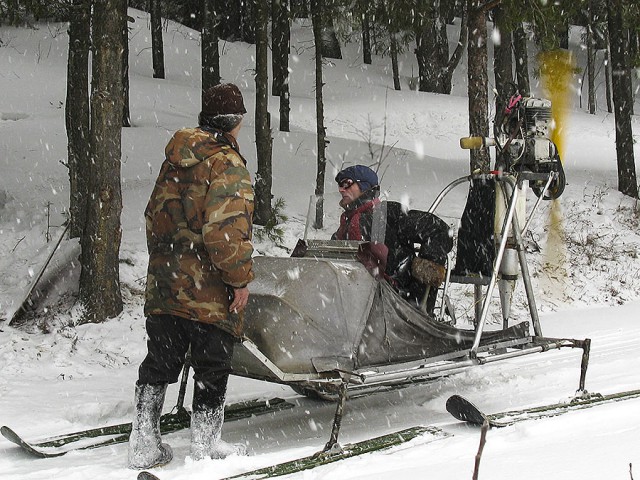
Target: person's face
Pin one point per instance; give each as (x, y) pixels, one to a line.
(234, 133)
(349, 190)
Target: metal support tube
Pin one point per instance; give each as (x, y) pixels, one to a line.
(332, 445)
(415, 371)
(533, 309)
(586, 350)
(477, 305)
(445, 292)
(446, 191)
(423, 301)
(184, 380)
(526, 279)
(535, 206)
(309, 216)
(496, 266)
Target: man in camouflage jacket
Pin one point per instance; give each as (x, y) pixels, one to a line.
(198, 224)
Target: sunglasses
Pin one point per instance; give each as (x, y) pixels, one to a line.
(346, 183)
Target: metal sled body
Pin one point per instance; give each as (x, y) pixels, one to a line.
(323, 321)
(312, 321)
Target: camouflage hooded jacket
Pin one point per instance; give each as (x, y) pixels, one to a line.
(198, 224)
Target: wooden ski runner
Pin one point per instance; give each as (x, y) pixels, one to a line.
(466, 411)
(99, 437)
(383, 442)
(22, 307)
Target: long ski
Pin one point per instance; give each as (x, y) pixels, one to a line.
(99, 437)
(466, 411)
(383, 442)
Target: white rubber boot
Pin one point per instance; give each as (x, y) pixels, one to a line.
(146, 449)
(206, 432)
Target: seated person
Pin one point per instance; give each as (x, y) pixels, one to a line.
(393, 233)
(358, 186)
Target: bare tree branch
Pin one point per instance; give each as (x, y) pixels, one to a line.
(483, 441)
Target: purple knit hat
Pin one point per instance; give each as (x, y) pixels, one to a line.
(361, 174)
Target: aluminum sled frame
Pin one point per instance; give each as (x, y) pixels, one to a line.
(341, 382)
(510, 187)
(510, 193)
(510, 232)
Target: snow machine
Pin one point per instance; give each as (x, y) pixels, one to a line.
(312, 320)
(330, 327)
(323, 322)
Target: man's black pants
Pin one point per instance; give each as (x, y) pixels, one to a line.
(211, 351)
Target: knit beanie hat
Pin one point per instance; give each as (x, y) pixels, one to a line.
(362, 175)
(222, 99)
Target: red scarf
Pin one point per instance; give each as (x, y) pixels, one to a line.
(350, 221)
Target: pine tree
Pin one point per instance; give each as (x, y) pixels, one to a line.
(99, 279)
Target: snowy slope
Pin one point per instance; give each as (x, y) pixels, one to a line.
(62, 377)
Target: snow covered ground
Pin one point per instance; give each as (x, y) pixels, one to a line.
(58, 377)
